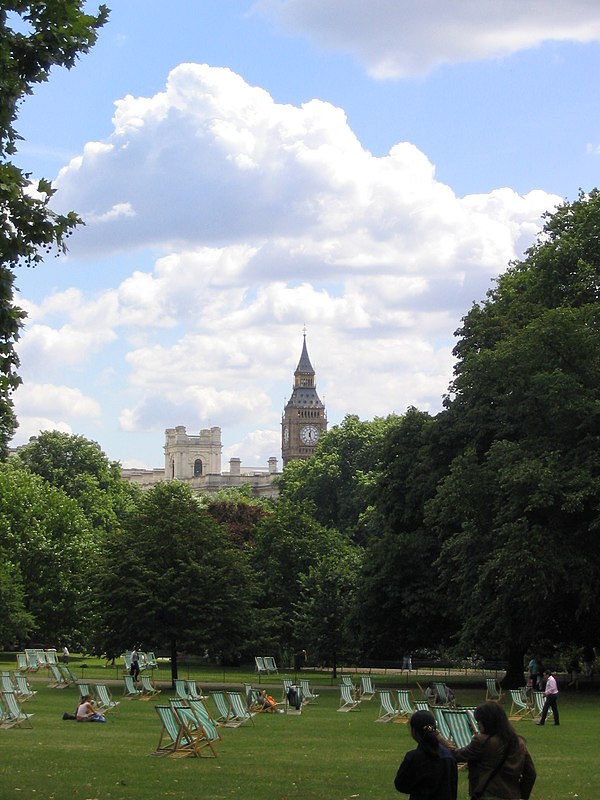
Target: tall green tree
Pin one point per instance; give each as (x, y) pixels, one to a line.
(339, 480)
(82, 470)
(288, 543)
(324, 611)
(401, 609)
(51, 557)
(519, 509)
(34, 37)
(172, 579)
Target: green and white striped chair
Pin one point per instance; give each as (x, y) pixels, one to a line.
(387, 710)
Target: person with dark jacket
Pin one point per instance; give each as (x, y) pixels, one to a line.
(429, 772)
(499, 763)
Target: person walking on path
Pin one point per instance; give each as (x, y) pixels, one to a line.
(550, 703)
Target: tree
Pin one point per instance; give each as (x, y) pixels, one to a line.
(82, 470)
(323, 612)
(16, 623)
(34, 37)
(339, 480)
(51, 554)
(174, 580)
(518, 510)
(288, 543)
(400, 609)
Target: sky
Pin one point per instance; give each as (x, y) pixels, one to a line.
(361, 170)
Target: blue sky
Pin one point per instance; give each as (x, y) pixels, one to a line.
(364, 169)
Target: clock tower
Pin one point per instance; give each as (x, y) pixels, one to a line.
(304, 417)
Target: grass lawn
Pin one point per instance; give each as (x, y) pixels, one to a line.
(320, 754)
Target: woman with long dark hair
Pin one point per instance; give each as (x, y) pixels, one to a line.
(500, 767)
(429, 772)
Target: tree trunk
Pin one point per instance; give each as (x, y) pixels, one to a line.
(173, 662)
(514, 673)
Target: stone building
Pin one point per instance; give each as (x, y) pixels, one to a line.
(196, 458)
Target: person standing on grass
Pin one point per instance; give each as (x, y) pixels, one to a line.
(134, 670)
(550, 703)
(498, 760)
(429, 772)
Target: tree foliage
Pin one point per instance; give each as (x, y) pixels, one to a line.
(82, 470)
(339, 480)
(51, 556)
(518, 510)
(172, 579)
(288, 543)
(34, 37)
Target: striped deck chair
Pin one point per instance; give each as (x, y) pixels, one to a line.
(208, 723)
(32, 661)
(22, 665)
(422, 705)
(148, 688)
(239, 711)
(471, 714)
(14, 715)
(347, 700)
(84, 689)
(105, 699)
(6, 682)
(347, 681)
(68, 674)
(270, 664)
(366, 689)
(387, 711)
(459, 726)
(130, 690)
(181, 689)
(260, 665)
(23, 689)
(251, 694)
(191, 720)
(444, 694)
(493, 690)
(405, 707)
(222, 706)
(520, 707)
(308, 696)
(440, 721)
(151, 662)
(287, 684)
(176, 740)
(57, 679)
(41, 658)
(194, 691)
(539, 698)
(51, 656)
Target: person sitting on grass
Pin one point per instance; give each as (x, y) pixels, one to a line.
(86, 711)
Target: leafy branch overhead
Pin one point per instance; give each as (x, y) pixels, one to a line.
(34, 37)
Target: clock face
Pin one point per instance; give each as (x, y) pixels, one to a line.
(286, 435)
(309, 435)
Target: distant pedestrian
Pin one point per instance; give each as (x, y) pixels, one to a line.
(550, 703)
(534, 674)
(134, 669)
(65, 655)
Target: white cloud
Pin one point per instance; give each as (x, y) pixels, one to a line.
(260, 218)
(400, 38)
(42, 407)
